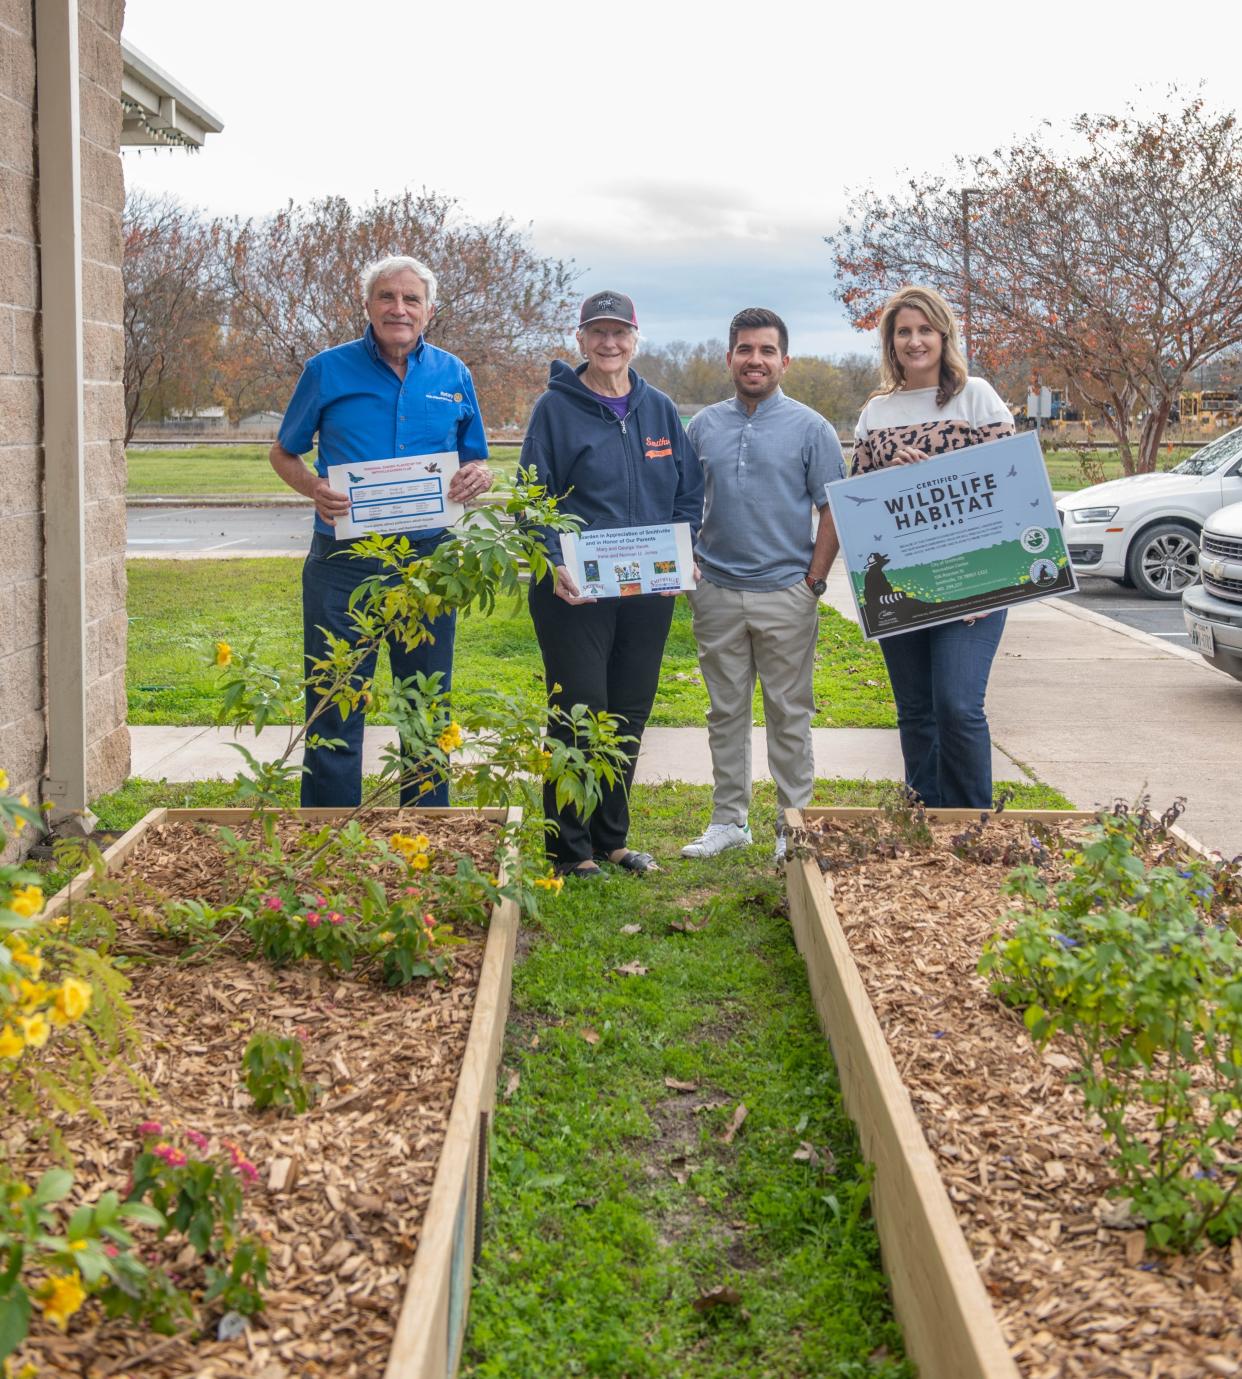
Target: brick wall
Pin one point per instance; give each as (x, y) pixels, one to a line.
(22, 618)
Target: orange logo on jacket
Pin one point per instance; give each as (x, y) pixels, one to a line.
(659, 449)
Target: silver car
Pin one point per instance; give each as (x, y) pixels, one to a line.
(1213, 609)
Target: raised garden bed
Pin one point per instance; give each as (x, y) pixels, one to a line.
(1006, 1255)
(370, 1202)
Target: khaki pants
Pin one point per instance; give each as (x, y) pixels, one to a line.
(772, 635)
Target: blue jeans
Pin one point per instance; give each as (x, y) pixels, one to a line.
(940, 677)
(333, 776)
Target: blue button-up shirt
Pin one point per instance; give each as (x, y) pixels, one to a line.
(363, 411)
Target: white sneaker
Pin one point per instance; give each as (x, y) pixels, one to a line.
(718, 838)
(778, 852)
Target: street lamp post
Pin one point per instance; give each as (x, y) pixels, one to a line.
(967, 193)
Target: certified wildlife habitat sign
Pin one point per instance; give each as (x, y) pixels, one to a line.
(953, 536)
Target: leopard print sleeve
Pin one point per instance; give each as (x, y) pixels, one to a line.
(992, 431)
(863, 457)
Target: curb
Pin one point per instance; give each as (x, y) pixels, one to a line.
(1138, 635)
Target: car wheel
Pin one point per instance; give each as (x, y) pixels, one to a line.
(1164, 560)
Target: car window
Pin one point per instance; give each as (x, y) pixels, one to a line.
(1212, 457)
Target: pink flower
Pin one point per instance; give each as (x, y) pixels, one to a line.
(175, 1158)
(321, 901)
(247, 1170)
(150, 1127)
(335, 918)
(273, 902)
(312, 919)
(197, 1139)
(429, 920)
(411, 890)
(111, 1251)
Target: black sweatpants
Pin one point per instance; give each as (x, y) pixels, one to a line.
(605, 655)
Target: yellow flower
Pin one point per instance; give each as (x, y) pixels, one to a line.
(19, 824)
(419, 861)
(60, 1296)
(11, 1044)
(224, 654)
(35, 1028)
(550, 882)
(32, 993)
(4, 779)
(73, 999)
(450, 739)
(424, 787)
(26, 901)
(32, 962)
(409, 848)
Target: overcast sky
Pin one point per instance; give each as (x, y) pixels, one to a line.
(691, 155)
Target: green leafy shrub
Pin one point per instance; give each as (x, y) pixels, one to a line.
(199, 1194)
(1131, 965)
(272, 1066)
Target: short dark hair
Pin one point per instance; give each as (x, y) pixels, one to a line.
(758, 318)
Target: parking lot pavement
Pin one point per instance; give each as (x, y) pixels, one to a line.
(1162, 618)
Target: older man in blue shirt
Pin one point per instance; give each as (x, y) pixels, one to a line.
(386, 395)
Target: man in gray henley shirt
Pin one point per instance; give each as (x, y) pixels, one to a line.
(767, 461)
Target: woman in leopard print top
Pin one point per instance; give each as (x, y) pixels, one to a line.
(928, 405)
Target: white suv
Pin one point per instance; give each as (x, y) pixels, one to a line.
(1143, 530)
(1213, 610)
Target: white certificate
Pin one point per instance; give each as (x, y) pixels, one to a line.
(405, 494)
(622, 561)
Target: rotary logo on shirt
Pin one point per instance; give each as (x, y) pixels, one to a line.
(444, 396)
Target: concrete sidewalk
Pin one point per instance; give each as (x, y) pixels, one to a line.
(183, 754)
(1096, 709)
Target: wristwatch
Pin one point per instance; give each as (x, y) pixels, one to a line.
(816, 586)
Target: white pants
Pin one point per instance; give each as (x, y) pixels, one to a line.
(772, 635)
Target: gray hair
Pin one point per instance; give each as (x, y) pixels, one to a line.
(390, 267)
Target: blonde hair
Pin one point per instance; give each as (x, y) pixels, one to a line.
(953, 370)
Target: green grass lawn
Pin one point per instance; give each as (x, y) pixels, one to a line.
(178, 609)
(1067, 470)
(222, 470)
(236, 469)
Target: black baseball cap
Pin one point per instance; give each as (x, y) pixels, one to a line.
(608, 306)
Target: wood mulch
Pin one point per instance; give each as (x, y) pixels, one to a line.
(1075, 1290)
(342, 1189)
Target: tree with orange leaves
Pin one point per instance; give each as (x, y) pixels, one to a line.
(1115, 262)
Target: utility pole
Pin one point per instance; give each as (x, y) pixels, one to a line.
(967, 193)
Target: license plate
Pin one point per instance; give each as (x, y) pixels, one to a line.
(1202, 638)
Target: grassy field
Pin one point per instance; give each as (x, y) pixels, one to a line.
(1068, 470)
(243, 469)
(224, 470)
(178, 609)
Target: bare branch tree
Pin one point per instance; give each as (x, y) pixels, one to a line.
(501, 307)
(1117, 265)
(171, 307)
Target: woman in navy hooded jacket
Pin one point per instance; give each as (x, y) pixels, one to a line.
(614, 450)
